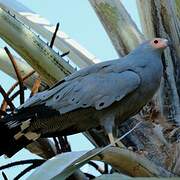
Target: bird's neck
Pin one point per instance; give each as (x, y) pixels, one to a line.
(145, 58)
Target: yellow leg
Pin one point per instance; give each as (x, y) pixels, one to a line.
(111, 138)
(112, 141)
(108, 123)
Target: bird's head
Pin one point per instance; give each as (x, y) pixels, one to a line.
(156, 45)
(159, 43)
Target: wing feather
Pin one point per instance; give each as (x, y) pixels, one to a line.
(98, 91)
(96, 86)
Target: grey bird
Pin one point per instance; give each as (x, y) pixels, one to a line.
(103, 94)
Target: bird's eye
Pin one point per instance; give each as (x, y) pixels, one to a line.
(155, 41)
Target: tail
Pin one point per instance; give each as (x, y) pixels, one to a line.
(11, 138)
(14, 128)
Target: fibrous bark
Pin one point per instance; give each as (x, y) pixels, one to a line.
(50, 66)
(161, 116)
(122, 31)
(78, 54)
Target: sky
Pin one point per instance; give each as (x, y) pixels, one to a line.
(79, 21)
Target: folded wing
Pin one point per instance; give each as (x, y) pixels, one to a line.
(98, 86)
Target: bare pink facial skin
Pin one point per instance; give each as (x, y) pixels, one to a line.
(159, 43)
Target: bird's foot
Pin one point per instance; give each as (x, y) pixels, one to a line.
(113, 141)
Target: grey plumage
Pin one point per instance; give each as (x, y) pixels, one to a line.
(101, 94)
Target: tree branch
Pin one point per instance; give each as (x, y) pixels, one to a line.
(158, 19)
(35, 87)
(121, 29)
(24, 69)
(4, 103)
(50, 66)
(79, 55)
(131, 163)
(7, 99)
(21, 86)
(54, 35)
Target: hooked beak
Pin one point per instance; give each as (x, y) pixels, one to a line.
(166, 43)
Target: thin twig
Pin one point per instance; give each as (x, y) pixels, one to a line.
(35, 87)
(7, 99)
(65, 54)
(58, 149)
(17, 93)
(4, 103)
(62, 143)
(25, 171)
(106, 169)
(98, 168)
(11, 99)
(68, 147)
(4, 176)
(54, 36)
(16, 84)
(90, 176)
(29, 161)
(17, 74)
(65, 147)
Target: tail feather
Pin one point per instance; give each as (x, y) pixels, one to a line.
(9, 127)
(13, 135)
